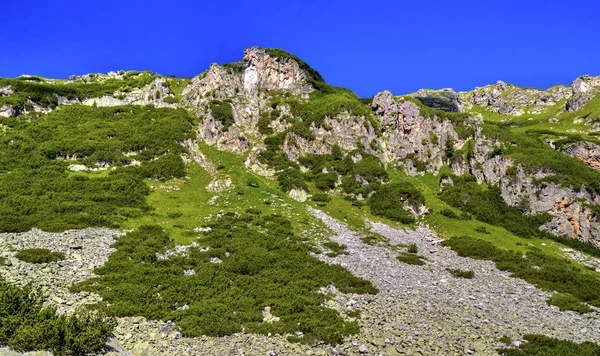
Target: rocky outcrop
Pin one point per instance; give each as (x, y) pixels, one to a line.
(272, 73)
(8, 111)
(409, 138)
(6, 90)
(152, 94)
(585, 151)
(345, 130)
(585, 88)
(246, 87)
(568, 206)
(444, 99)
(96, 77)
(508, 99)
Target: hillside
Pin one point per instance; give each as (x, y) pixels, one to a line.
(257, 209)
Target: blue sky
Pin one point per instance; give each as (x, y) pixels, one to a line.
(367, 46)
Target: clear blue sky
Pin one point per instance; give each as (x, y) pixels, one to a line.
(366, 46)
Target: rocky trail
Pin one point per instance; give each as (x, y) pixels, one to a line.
(420, 310)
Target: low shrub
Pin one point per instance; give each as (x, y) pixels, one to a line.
(411, 258)
(252, 182)
(336, 248)
(482, 230)
(537, 345)
(321, 197)
(460, 273)
(390, 200)
(412, 248)
(567, 301)
(170, 100)
(291, 179)
(326, 181)
(374, 239)
(221, 111)
(452, 215)
(25, 325)
(39, 255)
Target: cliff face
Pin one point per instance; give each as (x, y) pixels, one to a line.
(410, 139)
(569, 207)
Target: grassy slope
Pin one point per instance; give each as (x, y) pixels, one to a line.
(192, 199)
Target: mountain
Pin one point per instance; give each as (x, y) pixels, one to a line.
(197, 210)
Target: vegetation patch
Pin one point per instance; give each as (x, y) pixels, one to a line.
(38, 190)
(411, 258)
(25, 325)
(263, 264)
(39, 255)
(460, 273)
(546, 272)
(538, 345)
(335, 248)
(221, 111)
(567, 301)
(390, 201)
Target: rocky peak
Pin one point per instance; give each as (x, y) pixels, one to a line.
(444, 99)
(272, 72)
(585, 88)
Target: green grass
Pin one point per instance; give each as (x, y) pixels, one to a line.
(191, 199)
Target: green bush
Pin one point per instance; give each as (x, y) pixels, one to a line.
(336, 248)
(389, 201)
(412, 248)
(482, 230)
(45, 94)
(27, 326)
(460, 273)
(170, 100)
(252, 182)
(452, 215)
(163, 168)
(221, 111)
(374, 239)
(411, 259)
(567, 301)
(291, 179)
(263, 264)
(538, 345)
(321, 197)
(39, 255)
(326, 181)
